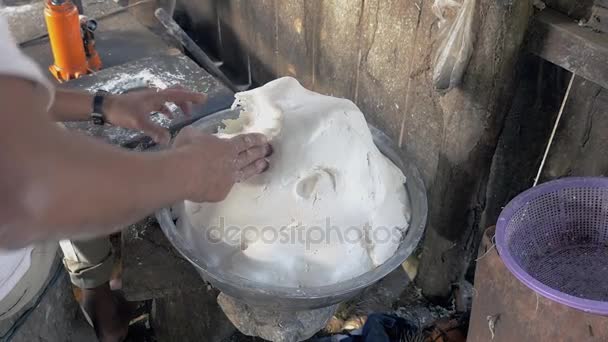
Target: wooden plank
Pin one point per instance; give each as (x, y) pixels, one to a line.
(334, 38)
(389, 56)
(383, 48)
(423, 118)
(232, 51)
(473, 119)
(259, 18)
(560, 40)
(296, 26)
(525, 133)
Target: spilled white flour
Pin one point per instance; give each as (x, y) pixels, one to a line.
(331, 206)
(8, 10)
(145, 78)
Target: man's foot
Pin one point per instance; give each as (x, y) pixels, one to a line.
(108, 311)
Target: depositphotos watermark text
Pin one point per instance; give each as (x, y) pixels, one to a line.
(297, 233)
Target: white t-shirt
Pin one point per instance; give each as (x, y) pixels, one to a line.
(15, 263)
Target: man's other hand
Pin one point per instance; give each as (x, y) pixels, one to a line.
(214, 165)
(132, 110)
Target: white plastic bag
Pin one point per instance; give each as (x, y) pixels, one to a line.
(441, 6)
(456, 40)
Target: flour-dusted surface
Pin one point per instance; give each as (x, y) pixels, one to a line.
(162, 71)
(331, 206)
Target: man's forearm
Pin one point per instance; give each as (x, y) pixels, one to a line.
(73, 186)
(48, 176)
(71, 105)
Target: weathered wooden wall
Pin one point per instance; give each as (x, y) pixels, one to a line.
(581, 139)
(361, 50)
(578, 148)
(378, 53)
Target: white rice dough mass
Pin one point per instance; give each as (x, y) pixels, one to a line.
(330, 207)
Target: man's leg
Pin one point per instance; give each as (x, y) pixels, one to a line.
(90, 264)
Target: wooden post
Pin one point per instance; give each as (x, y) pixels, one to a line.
(473, 117)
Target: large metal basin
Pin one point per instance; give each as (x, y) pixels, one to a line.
(287, 298)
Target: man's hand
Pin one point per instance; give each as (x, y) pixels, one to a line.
(214, 165)
(132, 110)
(47, 172)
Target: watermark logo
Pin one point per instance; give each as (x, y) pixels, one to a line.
(297, 233)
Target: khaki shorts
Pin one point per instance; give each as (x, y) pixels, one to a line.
(89, 262)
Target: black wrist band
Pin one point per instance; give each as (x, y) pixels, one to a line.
(98, 116)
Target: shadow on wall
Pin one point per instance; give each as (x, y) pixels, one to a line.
(206, 23)
(580, 9)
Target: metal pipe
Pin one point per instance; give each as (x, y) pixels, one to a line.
(197, 53)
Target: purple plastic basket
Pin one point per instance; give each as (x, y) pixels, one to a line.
(554, 239)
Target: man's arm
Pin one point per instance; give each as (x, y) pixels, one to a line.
(57, 184)
(131, 110)
(71, 105)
